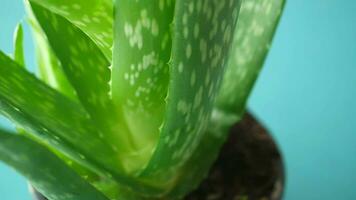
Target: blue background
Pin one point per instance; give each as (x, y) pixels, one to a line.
(306, 95)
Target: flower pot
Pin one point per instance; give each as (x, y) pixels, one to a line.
(249, 167)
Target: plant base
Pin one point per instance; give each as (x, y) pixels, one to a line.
(250, 167)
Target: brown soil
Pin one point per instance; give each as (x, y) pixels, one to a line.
(249, 167)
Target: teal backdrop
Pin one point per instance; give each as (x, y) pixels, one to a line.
(306, 95)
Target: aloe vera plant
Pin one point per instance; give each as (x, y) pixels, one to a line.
(134, 98)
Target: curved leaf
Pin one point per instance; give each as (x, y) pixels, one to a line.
(140, 75)
(51, 116)
(247, 56)
(83, 63)
(203, 32)
(18, 46)
(255, 30)
(93, 17)
(50, 68)
(46, 172)
(59, 122)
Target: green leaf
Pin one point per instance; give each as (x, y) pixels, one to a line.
(46, 172)
(84, 65)
(60, 123)
(248, 53)
(52, 117)
(255, 30)
(50, 68)
(203, 32)
(88, 72)
(198, 166)
(140, 77)
(18, 45)
(93, 17)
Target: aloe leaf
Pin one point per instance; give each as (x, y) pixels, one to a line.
(93, 17)
(248, 53)
(140, 71)
(50, 69)
(255, 30)
(60, 123)
(18, 46)
(52, 117)
(88, 72)
(198, 166)
(83, 63)
(46, 172)
(52, 74)
(203, 32)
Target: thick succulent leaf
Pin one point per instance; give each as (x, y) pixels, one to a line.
(60, 123)
(142, 50)
(50, 68)
(255, 30)
(93, 17)
(249, 51)
(52, 117)
(80, 169)
(203, 32)
(18, 46)
(198, 166)
(83, 63)
(89, 74)
(46, 172)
